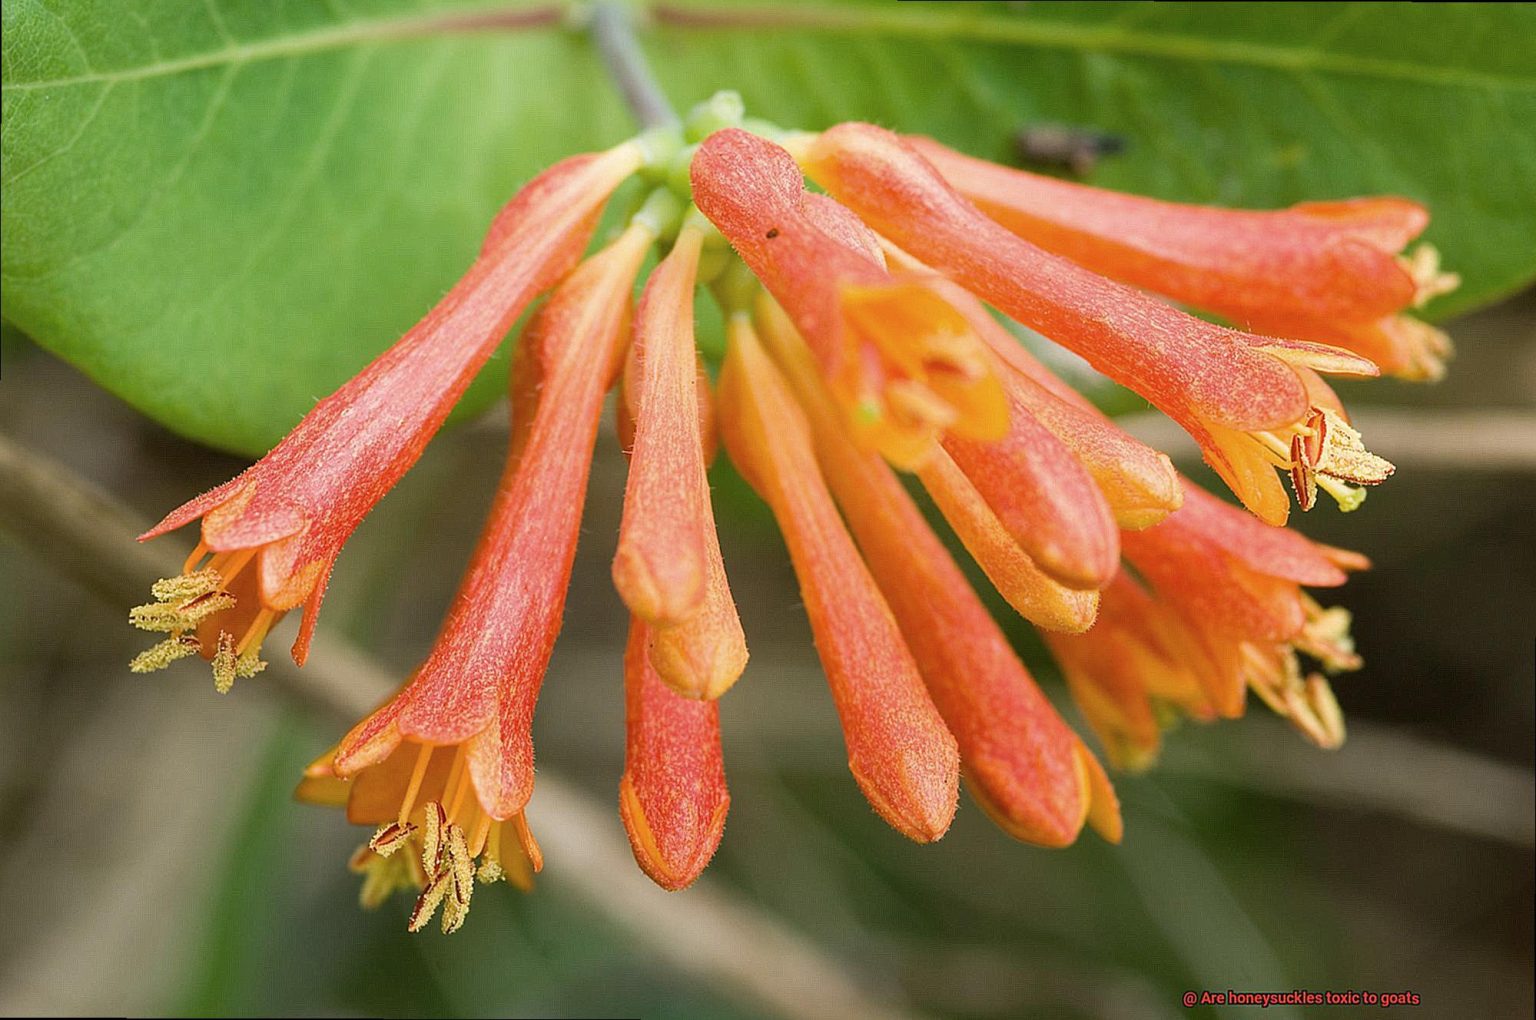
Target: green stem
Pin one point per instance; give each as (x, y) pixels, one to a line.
(612, 30)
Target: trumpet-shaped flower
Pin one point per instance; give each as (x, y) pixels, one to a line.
(1248, 400)
(672, 797)
(899, 750)
(1023, 764)
(1325, 271)
(1219, 610)
(472, 700)
(271, 535)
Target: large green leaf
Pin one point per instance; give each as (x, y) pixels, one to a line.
(221, 210)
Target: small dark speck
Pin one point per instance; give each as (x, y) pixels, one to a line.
(773, 233)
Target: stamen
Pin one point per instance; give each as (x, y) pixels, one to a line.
(390, 837)
(257, 630)
(432, 836)
(195, 557)
(185, 586)
(1328, 454)
(381, 876)
(1325, 708)
(414, 787)
(460, 791)
(426, 903)
(456, 777)
(163, 654)
(482, 833)
(1423, 264)
(1326, 637)
(224, 664)
(229, 564)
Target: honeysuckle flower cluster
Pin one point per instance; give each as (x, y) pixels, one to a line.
(861, 342)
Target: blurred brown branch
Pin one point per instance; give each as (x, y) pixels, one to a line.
(706, 932)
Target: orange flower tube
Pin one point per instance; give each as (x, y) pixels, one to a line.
(1020, 759)
(1043, 497)
(1325, 271)
(272, 534)
(673, 797)
(478, 685)
(661, 565)
(899, 750)
(1244, 398)
(1035, 595)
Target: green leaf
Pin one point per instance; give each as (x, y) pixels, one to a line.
(222, 210)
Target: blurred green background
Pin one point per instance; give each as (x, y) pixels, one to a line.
(220, 234)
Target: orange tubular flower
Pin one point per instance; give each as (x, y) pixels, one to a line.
(1247, 399)
(471, 702)
(1224, 612)
(673, 797)
(1023, 764)
(271, 535)
(1326, 271)
(899, 750)
(902, 362)
(661, 566)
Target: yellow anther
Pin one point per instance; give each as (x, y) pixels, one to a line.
(248, 665)
(159, 617)
(431, 896)
(390, 837)
(1325, 708)
(163, 654)
(186, 586)
(382, 877)
(224, 663)
(432, 835)
(1328, 454)
(1326, 637)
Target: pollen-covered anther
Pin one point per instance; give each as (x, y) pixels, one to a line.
(163, 654)
(432, 826)
(426, 904)
(184, 587)
(391, 837)
(1327, 453)
(1429, 280)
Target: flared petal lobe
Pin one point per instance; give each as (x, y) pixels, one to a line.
(904, 759)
